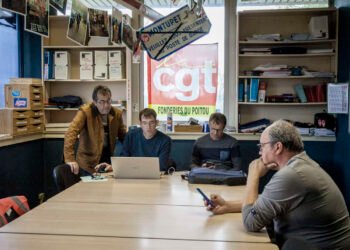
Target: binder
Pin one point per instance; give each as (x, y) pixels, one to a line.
(254, 89)
(299, 90)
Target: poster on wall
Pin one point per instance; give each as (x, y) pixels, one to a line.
(37, 17)
(116, 26)
(77, 25)
(98, 22)
(59, 5)
(185, 83)
(17, 6)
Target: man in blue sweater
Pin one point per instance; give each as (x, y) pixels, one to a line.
(147, 141)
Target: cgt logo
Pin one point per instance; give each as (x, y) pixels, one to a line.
(186, 81)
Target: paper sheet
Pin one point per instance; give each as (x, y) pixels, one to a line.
(337, 96)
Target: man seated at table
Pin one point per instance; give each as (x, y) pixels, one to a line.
(216, 149)
(147, 141)
(96, 125)
(301, 198)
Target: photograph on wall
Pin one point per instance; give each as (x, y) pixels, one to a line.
(18, 6)
(77, 25)
(37, 17)
(128, 34)
(59, 5)
(98, 23)
(117, 18)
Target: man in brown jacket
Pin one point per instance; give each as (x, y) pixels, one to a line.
(97, 126)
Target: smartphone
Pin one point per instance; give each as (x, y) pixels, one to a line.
(205, 197)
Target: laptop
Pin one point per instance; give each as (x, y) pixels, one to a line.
(136, 167)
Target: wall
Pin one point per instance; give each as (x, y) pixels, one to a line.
(342, 146)
(21, 171)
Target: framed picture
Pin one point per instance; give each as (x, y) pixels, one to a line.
(17, 6)
(59, 5)
(77, 25)
(117, 18)
(98, 23)
(37, 17)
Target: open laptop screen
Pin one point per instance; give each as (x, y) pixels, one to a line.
(136, 167)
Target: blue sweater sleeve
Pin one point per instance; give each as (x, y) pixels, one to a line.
(164, 154)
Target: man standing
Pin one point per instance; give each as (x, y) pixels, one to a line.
(301, 198)
(147, 141)
(216, 149)
(98, 126)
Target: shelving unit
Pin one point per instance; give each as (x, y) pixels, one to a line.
(285, 23)
(120, 88)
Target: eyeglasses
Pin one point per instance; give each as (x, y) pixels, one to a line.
(104, 102)
(260, 145)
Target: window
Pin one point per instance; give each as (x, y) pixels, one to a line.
(8, 51)
(215, 11)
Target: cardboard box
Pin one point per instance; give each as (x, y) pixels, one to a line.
(86, 72)
(23, 96)
(188, 128)
(62, 72)
(101, 72)
(62, 58)
(101, 57)
(29, 81)
(86, 58)
(115, 72)
(114, 57)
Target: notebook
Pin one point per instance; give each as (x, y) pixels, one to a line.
(135, 167)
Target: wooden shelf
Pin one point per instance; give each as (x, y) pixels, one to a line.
(86, 80)
(260, 42)
(78, 47)
(285, 23)
(285, 77)
(288, 55)
(284, 103)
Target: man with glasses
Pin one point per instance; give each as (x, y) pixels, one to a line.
(216, 149)
(97, 126)
(301, 198)
(147, 141)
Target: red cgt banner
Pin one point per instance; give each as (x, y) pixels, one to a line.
(185, 83)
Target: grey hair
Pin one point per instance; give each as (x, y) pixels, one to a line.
(284, 132)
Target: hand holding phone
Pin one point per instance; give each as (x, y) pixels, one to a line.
(205, 197)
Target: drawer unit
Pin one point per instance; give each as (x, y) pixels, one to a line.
(24, 96)
(19, 122)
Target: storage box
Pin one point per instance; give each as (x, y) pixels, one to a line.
(86, 72)
(62, 72)
(23, 96)
(86, 58)
(188, 128)
(62, 58)
(100, 72)
(115, 71)
(114, 57)
(29, 81)
(101, 57)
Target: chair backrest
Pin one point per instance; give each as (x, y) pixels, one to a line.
(63, 177)
(12, 207)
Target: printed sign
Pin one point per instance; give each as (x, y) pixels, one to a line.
(185, 83)
(174, 32)
(20, 102)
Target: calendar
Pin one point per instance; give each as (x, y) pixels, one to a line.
(337, 96)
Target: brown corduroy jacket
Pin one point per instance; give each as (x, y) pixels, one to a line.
(87, 125)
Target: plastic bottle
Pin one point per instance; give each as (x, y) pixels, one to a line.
(169, 122)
